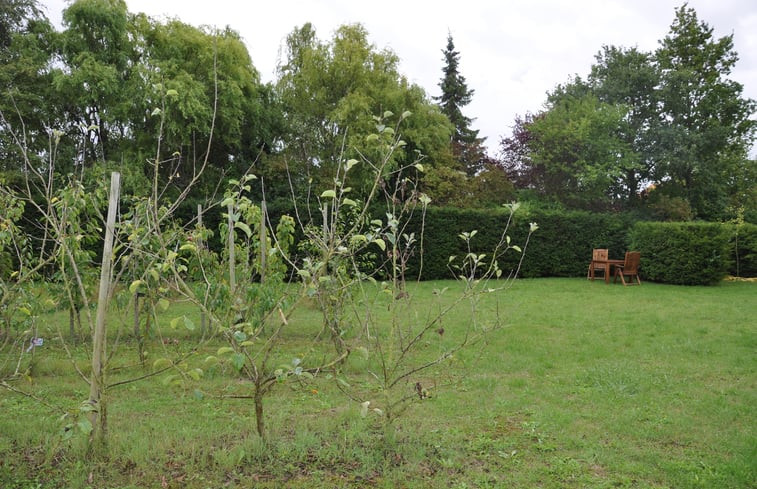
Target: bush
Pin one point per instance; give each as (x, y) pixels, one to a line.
(682, 253)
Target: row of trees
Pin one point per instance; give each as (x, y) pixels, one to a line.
(665, 130)
(102, 81)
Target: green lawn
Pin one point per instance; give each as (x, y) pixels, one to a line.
(586, 385)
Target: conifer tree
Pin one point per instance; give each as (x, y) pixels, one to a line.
(467, 147)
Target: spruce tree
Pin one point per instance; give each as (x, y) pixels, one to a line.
(467, 147)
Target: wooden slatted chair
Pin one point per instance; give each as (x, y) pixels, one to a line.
(597, 254)
(629, 268)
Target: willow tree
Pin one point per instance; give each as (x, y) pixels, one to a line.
(330, 91)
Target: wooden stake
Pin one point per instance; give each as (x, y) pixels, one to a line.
(263, 241)
(200, 245)
(98, 416)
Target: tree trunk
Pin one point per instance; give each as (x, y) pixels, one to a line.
(259, 412)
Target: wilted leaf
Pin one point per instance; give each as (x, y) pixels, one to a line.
(350, 164)
(135, 286)
(244, 227)
(188, 247)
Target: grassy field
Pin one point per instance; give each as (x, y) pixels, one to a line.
(586, 385)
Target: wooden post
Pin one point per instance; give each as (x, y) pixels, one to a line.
(263, 241)
(200, 246)
(232, 274)
(98, 416)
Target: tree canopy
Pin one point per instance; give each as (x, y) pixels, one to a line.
(645, 131)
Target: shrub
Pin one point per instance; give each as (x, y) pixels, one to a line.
(682, 253)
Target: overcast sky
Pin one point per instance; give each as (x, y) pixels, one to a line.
(511, 51)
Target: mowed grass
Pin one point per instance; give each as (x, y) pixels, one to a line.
(586, 385)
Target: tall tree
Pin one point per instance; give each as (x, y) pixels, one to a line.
(331, 91)
(630, 78)
(26, 50)
(706, 125)
(467, 147)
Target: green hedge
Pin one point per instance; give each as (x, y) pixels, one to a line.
(562, 245)
(560, 248)
(682, 253)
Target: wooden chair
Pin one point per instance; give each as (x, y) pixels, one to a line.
(629, 268)
(597, 254)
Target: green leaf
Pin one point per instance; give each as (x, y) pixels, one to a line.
(517, 248)
(161, 363)
(406, 114)
(350, 164)
(175, 322)
(239, 336)
(84, 425)
(237, 360)
(189, 324)
(328, 194)
(372, 137)
(195, 373)
(188, 247)
(381, 244)
(135, 286)
(349, 202)
(244, 227)
(224, 350)
(156, 111)
(388, 114)
(419, 167)
(172, 93)
(163, 304)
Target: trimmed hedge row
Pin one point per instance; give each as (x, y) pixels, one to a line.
(682, 253)
(677, 253)
(558, 249)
